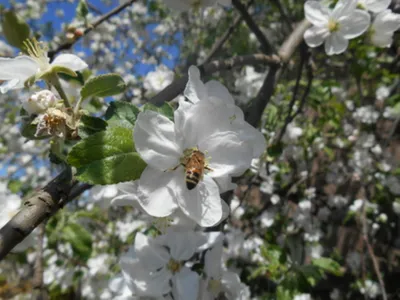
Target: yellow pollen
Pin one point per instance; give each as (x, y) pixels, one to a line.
(174, 266)
(214, 286)
(333, 26)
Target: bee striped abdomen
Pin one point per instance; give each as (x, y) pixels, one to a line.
(194, 169)
(192, 178)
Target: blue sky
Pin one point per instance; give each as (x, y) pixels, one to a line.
(69, 10)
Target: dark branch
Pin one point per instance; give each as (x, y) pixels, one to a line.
(266, 46)
(92, 26)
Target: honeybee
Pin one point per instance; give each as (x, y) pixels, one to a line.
(194, 162)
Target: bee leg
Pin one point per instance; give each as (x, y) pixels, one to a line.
(208, 168)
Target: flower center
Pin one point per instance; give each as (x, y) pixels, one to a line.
(214, 286)
(174, 266)
(333, 26)
(163, 224)
(38, 51)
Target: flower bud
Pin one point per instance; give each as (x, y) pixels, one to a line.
(40, 102)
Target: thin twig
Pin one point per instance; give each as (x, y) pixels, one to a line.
(92, 26)
(371, 252)
(266, 46)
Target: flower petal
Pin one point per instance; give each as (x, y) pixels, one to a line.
(225, 183)
(316, 13)
(195, 89)
(155, 196)
(343, 8)
(386, 22)
(335, 44)
(251, 135)
(151, 255)
(315, 36)
(69, 61)
(186, 285)
(10, 85)
(227, 153)
(383, 40)
(155, 140)
(17, 70)
(354, 25)
(376, 6)
(182, 244)
(218, 94)
(202, 204)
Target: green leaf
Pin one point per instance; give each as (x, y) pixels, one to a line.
(107, 157)
(89, 125)
(15, 30)
(328, 265)
(82, 9)
(121, 113)
(79, 238)
(165, 109)
(103, 86)
(63, 70)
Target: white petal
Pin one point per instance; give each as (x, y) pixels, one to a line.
(155, 140)
(382, 39)
(202, 120)
(157, 199)
(354, 25)
(335, 44)
(20, 67)
(186, 285)
(202, 204)
(227, 154)
(10, 85)
(231, 283)
(212, 260)
(218, 94)
(225, 183)
(377, 6)
(180, 116)
(251, 135)
(315, 36)
(155, 284)
(386, 22)
(195, 89)
(316, 13)
(182, 244)
(69, 61)
(343, 8)
(151, 255)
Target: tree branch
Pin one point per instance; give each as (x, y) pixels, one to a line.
(38, 208)
(92, 26)
(177, 87)
(265, 44)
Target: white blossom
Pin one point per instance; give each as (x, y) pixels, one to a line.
(383, 28)
(155, 81)
(374, 6)
(39, 102)
(15, 71)
(334, 27)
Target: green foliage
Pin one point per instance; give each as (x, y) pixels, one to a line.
(15, 30)
(103, 86)
(165, 110)
(89, 125)
(122, 114)
(79, 238)
(107, 157)
(328, 265)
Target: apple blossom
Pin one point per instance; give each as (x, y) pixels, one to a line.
(155, 81)
(216, 128)
(16, 71)
(217, 280)
(334, 27)
(152, 265)
(39, 102)
(383, 27)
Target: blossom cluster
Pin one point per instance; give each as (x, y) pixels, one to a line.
(349, 19)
